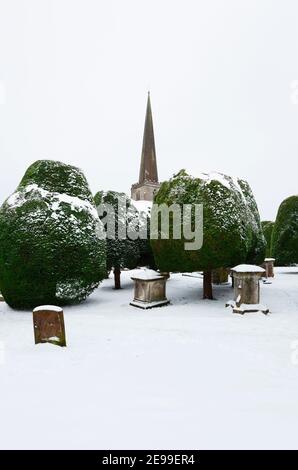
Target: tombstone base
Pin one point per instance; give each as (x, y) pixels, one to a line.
(244, 308)
(147, 305)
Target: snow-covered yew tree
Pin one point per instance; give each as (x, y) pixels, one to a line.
(267, 227)
(51, 246)
(232, 232)
(285, 233)
(122, 251)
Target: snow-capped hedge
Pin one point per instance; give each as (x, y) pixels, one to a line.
(51, 245)
(125, 253)
(267, 226)
(232, 232)
(285, 233)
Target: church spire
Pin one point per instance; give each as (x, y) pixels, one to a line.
(148, 168)
(148, 183)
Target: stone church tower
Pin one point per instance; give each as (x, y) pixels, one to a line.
(148, 178)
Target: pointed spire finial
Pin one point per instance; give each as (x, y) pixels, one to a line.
(148, 169)
(148, 183)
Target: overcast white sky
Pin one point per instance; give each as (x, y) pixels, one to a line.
(74, 75)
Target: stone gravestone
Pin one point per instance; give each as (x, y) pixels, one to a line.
(269, 267)
(247, 289)
(150, 289)
(48, 324)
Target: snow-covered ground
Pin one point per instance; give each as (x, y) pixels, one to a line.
(189, 375)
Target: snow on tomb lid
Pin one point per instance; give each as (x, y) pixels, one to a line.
(52, 308)
(269, 259)
(146, 274)
(248, 268)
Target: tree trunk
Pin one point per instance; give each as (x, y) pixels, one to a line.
(207, 285)
(117, 274)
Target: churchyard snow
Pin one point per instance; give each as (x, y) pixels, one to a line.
(188, 375)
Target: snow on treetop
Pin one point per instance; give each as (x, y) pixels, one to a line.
(19, 197)
(230, 182)
(248, 268)
(146, 274)
(52, 308)
(55, 176)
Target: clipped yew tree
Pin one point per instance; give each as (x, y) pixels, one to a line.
(285, 233)
(51, 246)
(122, 251)
(255, 236)
(267, 226)
(232, 232)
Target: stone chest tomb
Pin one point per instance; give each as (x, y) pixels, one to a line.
(149, 289)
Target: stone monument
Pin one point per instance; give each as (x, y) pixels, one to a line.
(48, 324)
(149, 290)
(269, 267)
(247, 289)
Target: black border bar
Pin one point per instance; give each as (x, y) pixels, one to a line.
(143, 458)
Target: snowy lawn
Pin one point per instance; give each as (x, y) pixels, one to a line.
(189, 375)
